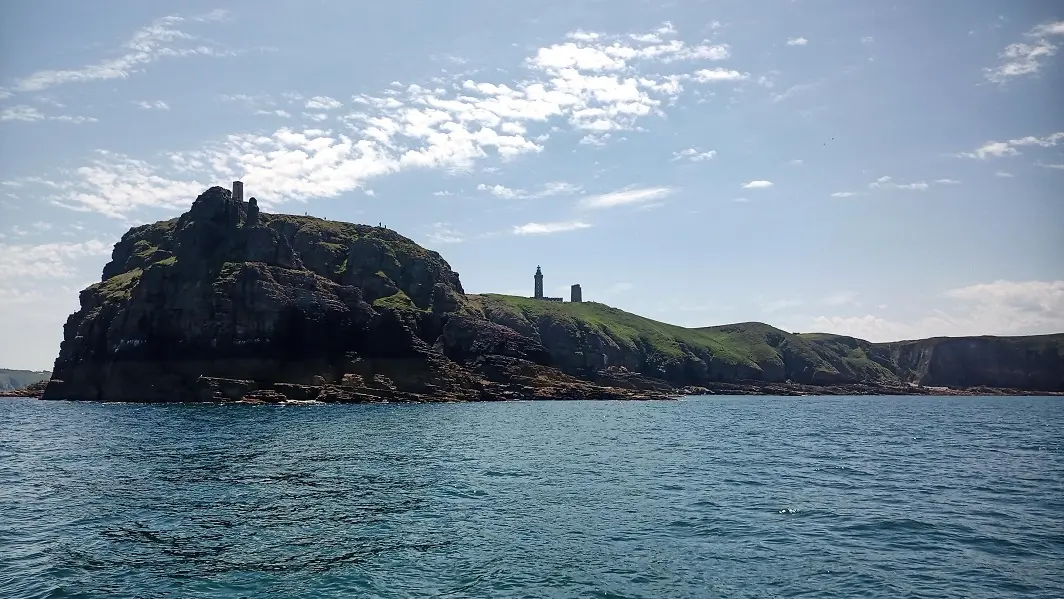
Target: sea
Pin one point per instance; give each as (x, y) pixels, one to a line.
(702, 497)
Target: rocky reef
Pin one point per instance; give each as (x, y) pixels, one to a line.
(227, 303)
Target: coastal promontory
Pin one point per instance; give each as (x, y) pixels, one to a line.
(229, 303)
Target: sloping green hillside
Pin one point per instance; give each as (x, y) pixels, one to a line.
(738, 351)
(581, 337)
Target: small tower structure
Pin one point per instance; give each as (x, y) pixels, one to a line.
(539, 284)
(238, 191)
(575, 294)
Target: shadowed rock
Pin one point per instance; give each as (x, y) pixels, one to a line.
(227, 303)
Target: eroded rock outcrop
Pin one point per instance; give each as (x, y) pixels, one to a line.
(225, 302)
(228, 303)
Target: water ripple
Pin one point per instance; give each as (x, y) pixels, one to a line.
(708, 497)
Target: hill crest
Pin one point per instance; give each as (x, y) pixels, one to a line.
(225, 302)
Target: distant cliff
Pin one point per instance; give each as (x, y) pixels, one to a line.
(226, 303)
(17, 379)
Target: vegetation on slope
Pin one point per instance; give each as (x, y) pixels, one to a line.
(627, 330)
(741, 350)
(215, 243)
(759, 351)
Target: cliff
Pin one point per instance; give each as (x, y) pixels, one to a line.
(225, 302)
(582, 338)
(17, 379)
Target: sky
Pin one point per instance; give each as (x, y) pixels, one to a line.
(887, 170)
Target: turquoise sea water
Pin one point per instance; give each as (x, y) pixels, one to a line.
(706, 497)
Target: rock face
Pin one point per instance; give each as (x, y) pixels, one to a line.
(228, 303)
(225, 302)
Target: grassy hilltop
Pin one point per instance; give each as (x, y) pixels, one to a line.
(225, 301)
(755, 350)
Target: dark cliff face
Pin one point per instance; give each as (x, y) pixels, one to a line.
(227, 302)
(1031, 363)
(213, 294)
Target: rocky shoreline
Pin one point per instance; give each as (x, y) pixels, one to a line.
(217, 390)
(224, 303)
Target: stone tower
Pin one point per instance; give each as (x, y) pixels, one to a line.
(539, 284)
(575, 295)
(238, 191)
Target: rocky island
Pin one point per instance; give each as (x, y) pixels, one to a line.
(227, 303)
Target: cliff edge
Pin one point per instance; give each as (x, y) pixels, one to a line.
(227, 303)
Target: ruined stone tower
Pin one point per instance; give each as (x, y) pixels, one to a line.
(575, 295)
(238, 191)
(539, 284)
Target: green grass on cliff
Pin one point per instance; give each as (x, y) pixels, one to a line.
(396, 301)
(626, 329)
(119, 286)
(752, 344)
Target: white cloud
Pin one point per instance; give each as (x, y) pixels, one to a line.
(156, 105)
(323, 103)
(998, 149)
(797, 41)
(46, 261)
(501, 191)
(161, 39)
(551, 188)
(584, 36)
(442, 193)
(1014, 307)
(29, 114)
(1026, 58)
(548, 228)
(216, 15)
(694, 155)
(795, 162)
(791, 91)
(1003, 174)
(590, 85)
(885, 182)
(757, 184)
(1053, 166)
(719, 74)
(442, 233)
(596, 56)
(947, 182)
(49, 101)
(275, 112)
(992, 149)
(843, 194)
(21, 113)
(114, 184)
(77, 120)
(997, 308)
(868, 40)
(627, 196)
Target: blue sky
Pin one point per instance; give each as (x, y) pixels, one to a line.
(885, 170)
